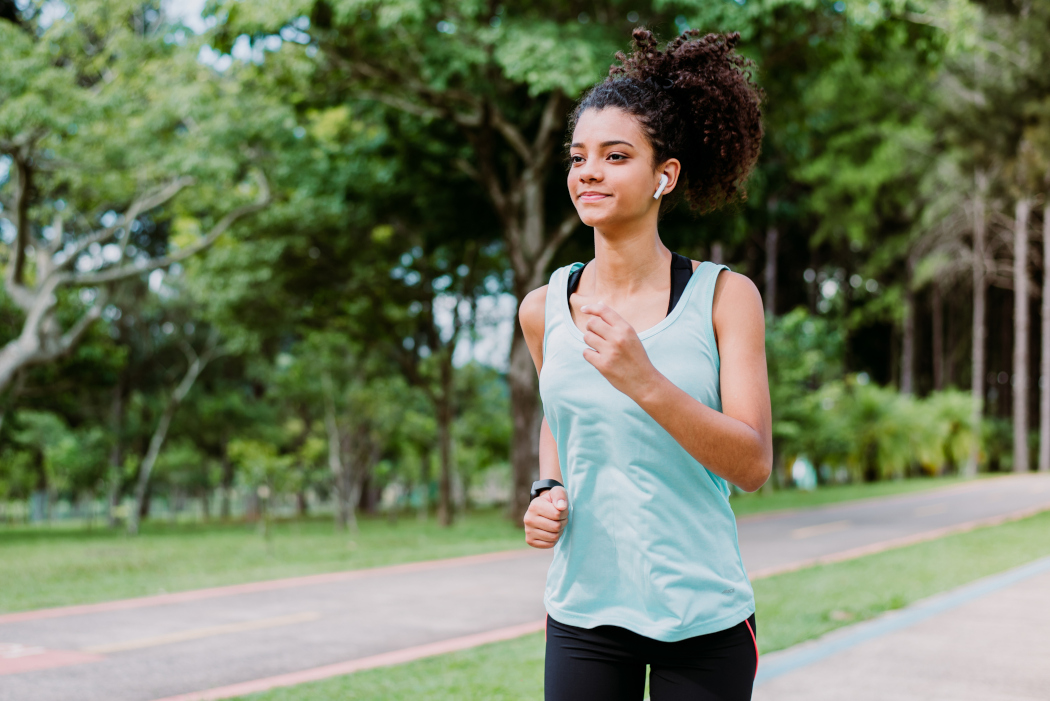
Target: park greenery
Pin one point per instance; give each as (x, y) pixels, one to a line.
(251, 259)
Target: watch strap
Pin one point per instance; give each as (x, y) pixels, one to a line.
(541, 486)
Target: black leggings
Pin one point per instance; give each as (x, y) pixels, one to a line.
(607, 663)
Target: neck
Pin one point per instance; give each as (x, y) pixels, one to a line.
(629, 262)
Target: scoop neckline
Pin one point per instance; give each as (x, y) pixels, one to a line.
(642, 335)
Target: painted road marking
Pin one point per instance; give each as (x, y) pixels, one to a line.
(930, 509)
(381, 660)
(16, 658)
(894, 543)
(820, 529)
(199, 633)
(270, 585)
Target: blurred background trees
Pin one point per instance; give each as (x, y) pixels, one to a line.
(338, 203)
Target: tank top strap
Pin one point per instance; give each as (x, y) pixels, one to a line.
(703, 297)
(556, 293)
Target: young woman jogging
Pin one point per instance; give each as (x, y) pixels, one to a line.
(655, 397)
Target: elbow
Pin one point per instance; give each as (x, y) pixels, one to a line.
(757, 476)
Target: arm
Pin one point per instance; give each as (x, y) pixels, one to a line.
(546, 515)
(736, 443)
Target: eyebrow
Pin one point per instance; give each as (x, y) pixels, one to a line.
(604, 144)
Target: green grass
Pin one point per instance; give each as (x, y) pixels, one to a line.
(801, 605)
(792, 607)
(41, 567)
(762, 501)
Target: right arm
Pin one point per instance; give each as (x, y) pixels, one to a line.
(545, 518)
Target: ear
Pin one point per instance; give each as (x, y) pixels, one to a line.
(672, 168)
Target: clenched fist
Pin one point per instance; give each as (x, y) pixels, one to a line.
(545, 518)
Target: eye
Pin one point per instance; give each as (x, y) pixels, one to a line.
(617, 157)
(576, 158)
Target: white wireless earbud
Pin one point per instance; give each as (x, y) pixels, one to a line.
(663, 184)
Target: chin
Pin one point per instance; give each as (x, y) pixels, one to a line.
(604, 220)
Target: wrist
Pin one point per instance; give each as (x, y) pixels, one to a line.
(541, 486)
(651, 390)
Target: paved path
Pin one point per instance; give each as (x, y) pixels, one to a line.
(986, 640)
(159, 647)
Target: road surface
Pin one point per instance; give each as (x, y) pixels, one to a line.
(166, 646)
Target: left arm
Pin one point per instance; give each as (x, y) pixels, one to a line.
(736, 443)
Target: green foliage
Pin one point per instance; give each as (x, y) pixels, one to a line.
(875, 432)
(46, 453)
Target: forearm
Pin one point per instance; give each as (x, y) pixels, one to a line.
(728, 447)
(550, 468)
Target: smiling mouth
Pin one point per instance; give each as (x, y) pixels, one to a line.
(592, 196)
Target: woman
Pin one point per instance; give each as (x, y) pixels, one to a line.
(654, 390)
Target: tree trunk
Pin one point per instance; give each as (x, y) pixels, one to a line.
(1020, 379)
(116, 453)
(937, 302)
(227, 479)
(980, 328)
(444, 417)
(197, 365)
(526, 415)
(772, 236)
(908, 341)
(424, 481)
(344, 516)
(1044, 364)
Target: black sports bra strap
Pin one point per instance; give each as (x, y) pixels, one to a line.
(681, 271)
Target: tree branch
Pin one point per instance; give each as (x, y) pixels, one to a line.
(59, 347)
(437, 104)
(150, 200)
(126, 271)
(549, 123)
(512, 134)
(16, 271)
(561, 234)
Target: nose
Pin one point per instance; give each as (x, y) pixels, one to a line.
(589, 172)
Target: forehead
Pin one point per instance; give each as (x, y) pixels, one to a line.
(609, 124)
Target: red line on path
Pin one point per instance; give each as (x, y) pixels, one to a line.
(269, 585)
(894, 543)
(16, 659)
(382, 660)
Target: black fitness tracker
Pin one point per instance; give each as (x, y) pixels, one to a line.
(541, 486)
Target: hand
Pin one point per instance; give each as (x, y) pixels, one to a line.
(616, 351)
(545, 518)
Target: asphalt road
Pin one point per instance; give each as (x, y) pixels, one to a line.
(143, 650)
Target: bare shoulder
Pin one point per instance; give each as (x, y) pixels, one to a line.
(531, 313)
(531, 310)
(737, 306)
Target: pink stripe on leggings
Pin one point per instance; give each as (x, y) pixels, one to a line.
(752, 632)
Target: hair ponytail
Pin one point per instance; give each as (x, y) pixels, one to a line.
(697, 102)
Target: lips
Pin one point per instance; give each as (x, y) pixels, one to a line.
(591, 196)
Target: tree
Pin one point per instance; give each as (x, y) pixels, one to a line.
(196, 362)
(82, 219)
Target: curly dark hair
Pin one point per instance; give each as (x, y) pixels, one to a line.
(697, 102)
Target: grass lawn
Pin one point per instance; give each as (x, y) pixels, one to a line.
(792, 607)
(43, 566)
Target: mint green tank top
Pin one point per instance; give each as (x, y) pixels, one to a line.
(650, 542)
